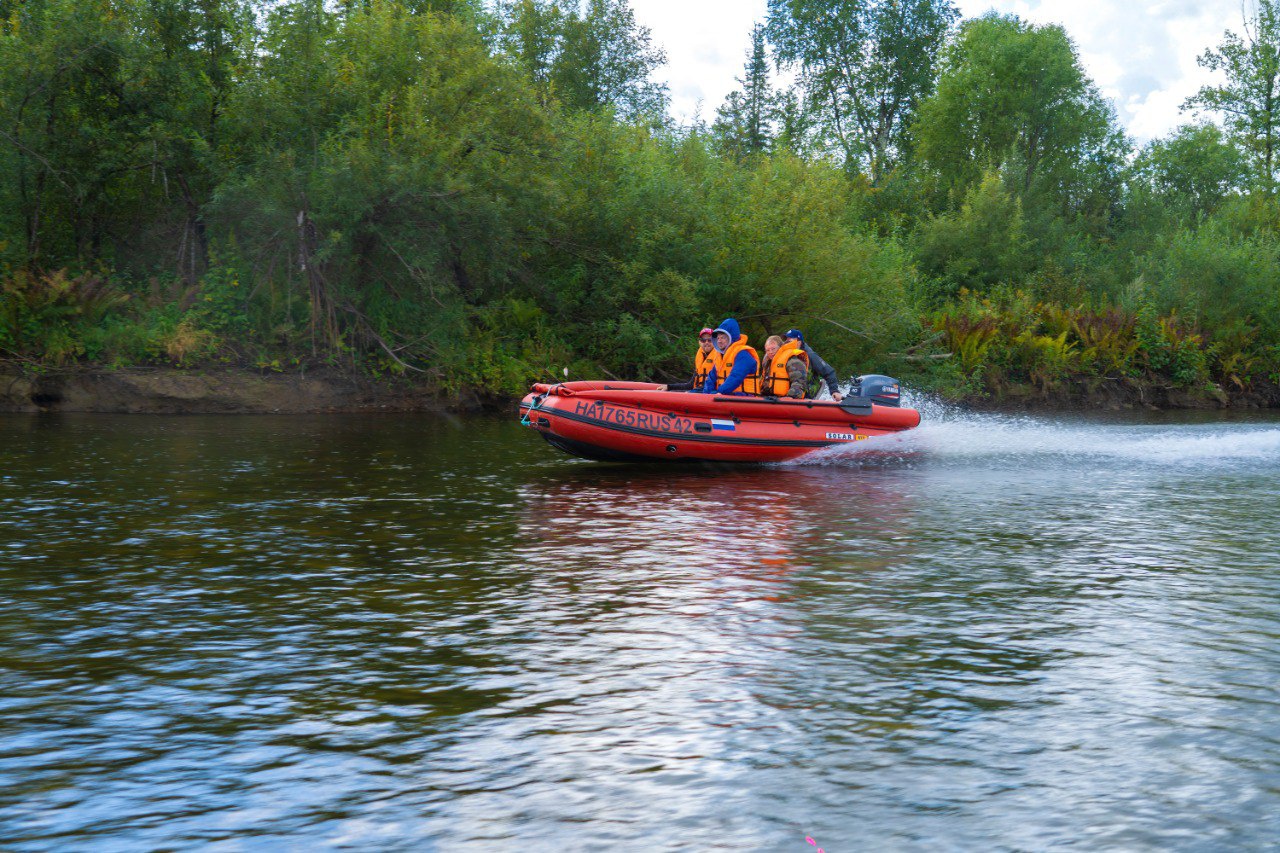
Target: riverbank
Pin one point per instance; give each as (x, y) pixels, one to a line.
(243, 391)
(222, 391)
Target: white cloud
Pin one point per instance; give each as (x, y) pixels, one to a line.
(1142, 54)
(706, 43)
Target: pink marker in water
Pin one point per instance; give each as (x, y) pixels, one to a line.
(809, 838)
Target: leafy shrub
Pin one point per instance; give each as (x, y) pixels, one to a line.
(1107, 339)
(120, 341)
(1045, 343)
(43, 315)
(980, 245)
(1171, 349)
(1217, 277)
(507, 345)
(222, 303)
(969, 337)
(186, 343)
(1046, 358)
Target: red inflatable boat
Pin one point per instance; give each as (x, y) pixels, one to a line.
(634, 422)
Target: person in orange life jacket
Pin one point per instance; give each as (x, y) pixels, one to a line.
(817, 365)
(785, 370)
(771, 345)
(736, 367)
(702, 361)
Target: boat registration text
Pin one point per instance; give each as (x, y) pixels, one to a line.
(631, 418)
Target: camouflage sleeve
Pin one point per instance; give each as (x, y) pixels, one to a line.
(798, 373)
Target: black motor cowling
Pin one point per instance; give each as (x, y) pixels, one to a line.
(881, 390)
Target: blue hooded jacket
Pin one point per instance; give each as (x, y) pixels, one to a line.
(744, 364)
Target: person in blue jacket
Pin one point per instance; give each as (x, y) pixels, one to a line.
(736, 366)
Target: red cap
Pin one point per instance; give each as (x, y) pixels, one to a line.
(706, 332)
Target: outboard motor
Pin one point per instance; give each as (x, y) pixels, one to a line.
(881, 390)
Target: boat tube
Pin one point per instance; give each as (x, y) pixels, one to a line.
(635, 422)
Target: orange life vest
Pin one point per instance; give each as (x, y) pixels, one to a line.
(702, 365)
(724, 365)
(774, 379)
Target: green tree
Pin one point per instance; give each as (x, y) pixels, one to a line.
(794, 123)
(607, 60)
(745, 123)
(393, 223)
(109, 113)
(1249, 100)
(1012, 97)
(469, 9)
(865, 66)
(589, 54)
(532, 33)
(64, 133)
(1190, 172)
(194, 49)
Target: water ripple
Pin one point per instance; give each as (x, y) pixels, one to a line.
(404, 633)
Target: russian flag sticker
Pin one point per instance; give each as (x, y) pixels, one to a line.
(719, 424)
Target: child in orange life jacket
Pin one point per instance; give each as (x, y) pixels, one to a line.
(785, 370)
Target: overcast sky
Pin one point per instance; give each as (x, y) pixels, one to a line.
(1141, 53)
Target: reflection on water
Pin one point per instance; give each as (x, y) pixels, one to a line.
(405, 632)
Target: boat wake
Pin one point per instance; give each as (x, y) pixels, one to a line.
(948, 433)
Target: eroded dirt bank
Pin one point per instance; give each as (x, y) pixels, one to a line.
(1106, 394)
(170, 391)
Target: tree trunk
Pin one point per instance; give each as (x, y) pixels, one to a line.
(323, 323)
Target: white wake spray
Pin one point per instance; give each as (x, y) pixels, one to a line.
(948, 433)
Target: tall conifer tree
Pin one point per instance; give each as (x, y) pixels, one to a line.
(745, 122)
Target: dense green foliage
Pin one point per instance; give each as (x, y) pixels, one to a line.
(1012, 97)
(488, 194)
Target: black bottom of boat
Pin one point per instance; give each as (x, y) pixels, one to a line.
(597, 454)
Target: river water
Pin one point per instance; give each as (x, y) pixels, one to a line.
(417, 633)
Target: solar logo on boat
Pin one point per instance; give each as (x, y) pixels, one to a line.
(719, 424)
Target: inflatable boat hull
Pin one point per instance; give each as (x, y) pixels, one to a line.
(634, 422)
